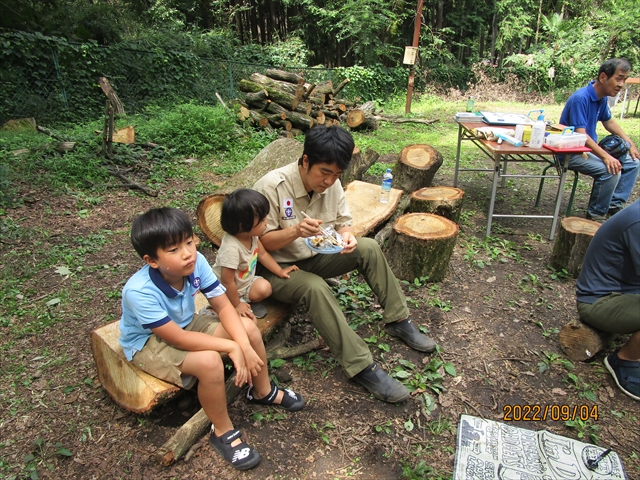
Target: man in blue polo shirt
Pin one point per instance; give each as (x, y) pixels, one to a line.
(613, 178)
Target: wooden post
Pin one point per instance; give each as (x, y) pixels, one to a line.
(416, 39)
(105, 129)
(574, 237)
(421, 245)
(110, 130)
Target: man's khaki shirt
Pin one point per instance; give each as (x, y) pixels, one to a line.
(288, 199)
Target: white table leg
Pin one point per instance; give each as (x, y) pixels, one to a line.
(494, 187)
(455, 175)
(563, 177)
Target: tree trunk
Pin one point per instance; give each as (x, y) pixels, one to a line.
(275, 155)
(276, 108)
(538, 21)
(258, 118)
(245, 85)
(243, 114)
(572, 241)
(417, 166)
(304, 108)
(317, 98)
(257, 100)
(329, 113)
(443, 201)
(420, 246)
(319, 116)
(290, 102)
(309, 91)
(272, 84)
(111, 95)
(359, 165)
(358, 120)
(284, 76)
(303, 122)
(340, 86)
(324, 87)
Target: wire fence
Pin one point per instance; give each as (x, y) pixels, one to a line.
(55, 84)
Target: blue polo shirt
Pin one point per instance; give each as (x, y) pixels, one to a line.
(148, 301)
(584, 110)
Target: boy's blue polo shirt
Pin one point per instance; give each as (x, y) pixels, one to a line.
(584, 110)
(148, 301)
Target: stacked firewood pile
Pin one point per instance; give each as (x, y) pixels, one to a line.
(284, 100)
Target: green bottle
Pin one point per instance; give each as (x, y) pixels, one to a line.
(470, 104)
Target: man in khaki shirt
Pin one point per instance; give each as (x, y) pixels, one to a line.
(312, 185)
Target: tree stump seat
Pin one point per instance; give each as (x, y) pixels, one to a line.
(421, 245)
(580, 341)
(443, 201)
(416, 168)
(574, 237)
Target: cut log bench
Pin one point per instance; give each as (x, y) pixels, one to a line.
(137, 391)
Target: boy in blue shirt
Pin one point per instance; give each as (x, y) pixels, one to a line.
(161, 334)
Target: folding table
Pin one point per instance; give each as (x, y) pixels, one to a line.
(502, 154)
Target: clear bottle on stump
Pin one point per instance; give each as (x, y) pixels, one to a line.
(387, 180)
(470, 104)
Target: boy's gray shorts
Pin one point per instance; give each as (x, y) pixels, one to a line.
(162, 360)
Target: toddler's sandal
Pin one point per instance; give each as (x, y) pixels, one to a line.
(291, 401)
(241, 457)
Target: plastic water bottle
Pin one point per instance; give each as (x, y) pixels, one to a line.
(537, 132)
(470, 104)
(387, 180)
(519, 132)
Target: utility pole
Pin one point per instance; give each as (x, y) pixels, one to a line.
(416, 39)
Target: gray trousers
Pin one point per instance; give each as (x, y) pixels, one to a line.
(307, 285)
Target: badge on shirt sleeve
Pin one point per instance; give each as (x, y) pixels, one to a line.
(287, 208)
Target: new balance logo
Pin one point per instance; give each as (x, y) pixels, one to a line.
(291, 394)
(240, 454)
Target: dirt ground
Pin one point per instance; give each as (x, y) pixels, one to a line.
(495, 317)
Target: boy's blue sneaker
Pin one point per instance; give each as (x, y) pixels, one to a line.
(625, 373)
(241, 457)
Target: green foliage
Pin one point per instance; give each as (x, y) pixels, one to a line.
(192, 129)
(430, 376)
(356, 299)
(323, 431)
(373, 82)
(419, 472)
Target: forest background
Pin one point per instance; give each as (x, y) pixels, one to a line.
(165, 51)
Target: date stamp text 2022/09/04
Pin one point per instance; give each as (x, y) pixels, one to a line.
(542, 413)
